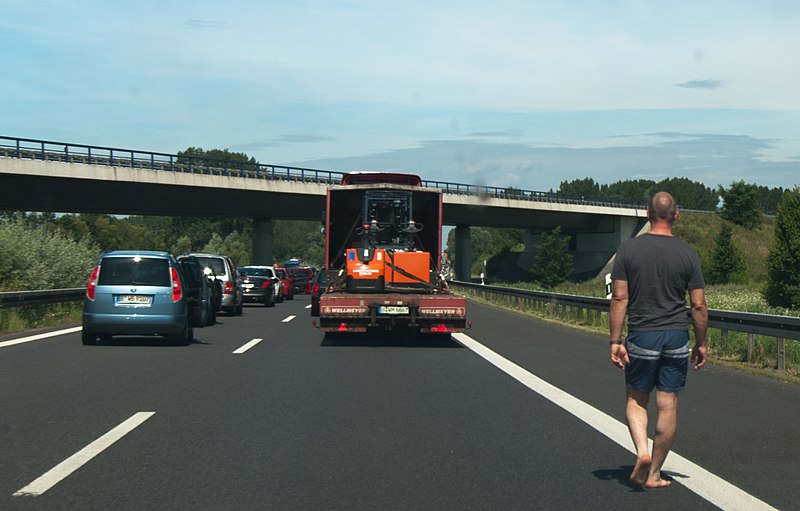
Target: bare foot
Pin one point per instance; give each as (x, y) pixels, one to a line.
(655, 481)
(639, 472)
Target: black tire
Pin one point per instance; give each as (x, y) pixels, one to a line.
(290, 297)
(89, 338)
(240, 309)
(269, 301)
(184, 338)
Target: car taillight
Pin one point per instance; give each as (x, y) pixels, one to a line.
(315, 291)
(229, 288)
(265, 284)
(92, 286)
(177, 291)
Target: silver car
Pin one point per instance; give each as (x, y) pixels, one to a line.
(225, 270)
(135, 292)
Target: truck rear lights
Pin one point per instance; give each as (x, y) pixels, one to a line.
(177, 290)
(343, 327)
(441, 328)
(91, 288)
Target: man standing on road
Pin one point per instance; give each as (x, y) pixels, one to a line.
(652, 274)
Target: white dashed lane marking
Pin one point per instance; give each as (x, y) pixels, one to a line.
(80, 458)
(247, 346)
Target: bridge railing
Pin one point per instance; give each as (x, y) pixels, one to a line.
(14, 147)
(566, 307)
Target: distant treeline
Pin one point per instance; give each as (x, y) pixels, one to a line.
(688, 193)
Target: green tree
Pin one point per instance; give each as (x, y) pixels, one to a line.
(689, 194)
(580, 188)
(183, 245)
(553, 262)
(770, 198)
(727, 264)
(741, 205)
(301, 239)
(783, 261)
(235, 245)
(635, 191)
(217, 158)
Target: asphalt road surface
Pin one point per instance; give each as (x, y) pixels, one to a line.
(263, 412)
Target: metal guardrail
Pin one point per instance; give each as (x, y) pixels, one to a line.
(13, 147)
(25, 298)
(779, 327)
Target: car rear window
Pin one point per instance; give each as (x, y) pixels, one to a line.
(215, 263)
(256, 272)
(134, 271)
(298, 273)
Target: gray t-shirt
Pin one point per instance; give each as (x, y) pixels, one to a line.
(659, 271)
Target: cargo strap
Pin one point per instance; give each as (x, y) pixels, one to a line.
(390, 264)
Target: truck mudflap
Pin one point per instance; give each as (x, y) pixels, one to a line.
(363, 312)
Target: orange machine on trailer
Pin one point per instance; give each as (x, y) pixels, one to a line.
(383, 245)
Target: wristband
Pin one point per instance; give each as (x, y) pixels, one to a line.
(615, 342)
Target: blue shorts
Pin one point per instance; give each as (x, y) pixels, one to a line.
(659, 359)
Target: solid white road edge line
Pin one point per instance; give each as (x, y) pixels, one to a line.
(37, 337)
(80, 458)
(699, 480)
(289, 318)
(247, 346)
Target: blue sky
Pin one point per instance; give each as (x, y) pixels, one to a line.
(501, 93)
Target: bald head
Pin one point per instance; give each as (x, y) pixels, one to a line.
(662, 208)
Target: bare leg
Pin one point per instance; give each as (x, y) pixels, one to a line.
(636, 415)
(666, 428)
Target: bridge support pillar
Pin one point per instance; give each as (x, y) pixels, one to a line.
(262, 242)
(594, 250)
(463, 253)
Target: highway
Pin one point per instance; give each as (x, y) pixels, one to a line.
(517, 414)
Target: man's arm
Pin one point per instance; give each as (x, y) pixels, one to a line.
(699, 312)
(616, 320)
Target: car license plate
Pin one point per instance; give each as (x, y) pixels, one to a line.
(134, 299)
(392, 309)
(248, 286)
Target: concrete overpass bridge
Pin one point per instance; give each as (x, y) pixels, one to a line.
(38, 175)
